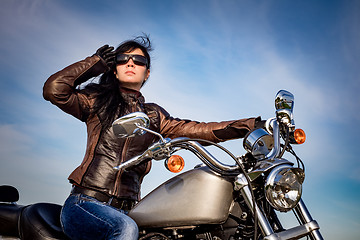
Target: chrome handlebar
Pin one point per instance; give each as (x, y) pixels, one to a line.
(165, 147)
(204, 155)
(273, 125)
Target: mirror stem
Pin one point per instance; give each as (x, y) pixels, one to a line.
(150, 131)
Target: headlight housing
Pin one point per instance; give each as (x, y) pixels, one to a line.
(283, 187)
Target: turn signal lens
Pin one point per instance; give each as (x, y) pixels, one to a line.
(299, 136)
(175, 163)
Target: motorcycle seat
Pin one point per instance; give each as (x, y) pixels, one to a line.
(41, 221)
(9, 218)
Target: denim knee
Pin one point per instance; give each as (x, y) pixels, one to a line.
(126, 228)
(83, 217)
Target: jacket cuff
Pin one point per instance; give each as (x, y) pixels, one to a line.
(96, 67)
(237, 129)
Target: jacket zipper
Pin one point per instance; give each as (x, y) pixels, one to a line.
(122, 159)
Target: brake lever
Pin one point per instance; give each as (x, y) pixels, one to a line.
(158, 151)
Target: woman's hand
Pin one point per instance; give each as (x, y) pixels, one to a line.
(107, 54)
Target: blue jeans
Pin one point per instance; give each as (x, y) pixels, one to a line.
(84, 217)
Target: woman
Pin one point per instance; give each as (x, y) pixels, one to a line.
(101, 196)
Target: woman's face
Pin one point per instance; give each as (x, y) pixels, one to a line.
(131, 75)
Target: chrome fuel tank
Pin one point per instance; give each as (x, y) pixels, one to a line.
(198, 196)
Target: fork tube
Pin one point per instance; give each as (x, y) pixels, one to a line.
(305, 217)
(263, 222)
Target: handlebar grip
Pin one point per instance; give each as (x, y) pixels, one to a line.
(131, 162)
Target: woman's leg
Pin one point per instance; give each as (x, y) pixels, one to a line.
(85, 218)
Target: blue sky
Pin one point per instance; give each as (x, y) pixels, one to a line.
(212, 61)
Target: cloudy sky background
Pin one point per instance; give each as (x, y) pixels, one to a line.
(213, 61)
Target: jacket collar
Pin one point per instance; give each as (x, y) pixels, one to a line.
(129, 94)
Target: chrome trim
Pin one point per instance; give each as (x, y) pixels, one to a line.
(305, 217)
(270, 160)
(266, 165)
(276, 134)
(204, 153)
(309, 227)
(295, 232)
(285, 116)
(165, 147)
(162, 139)
(259, 142)
(268, 186)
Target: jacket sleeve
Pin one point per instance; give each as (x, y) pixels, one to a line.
(213, 131)
(60, 88)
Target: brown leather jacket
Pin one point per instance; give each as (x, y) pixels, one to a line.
(104, 151)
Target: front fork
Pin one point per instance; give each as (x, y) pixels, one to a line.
(309, 226)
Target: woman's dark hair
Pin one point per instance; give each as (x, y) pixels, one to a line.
(109, 103)
(141, 42)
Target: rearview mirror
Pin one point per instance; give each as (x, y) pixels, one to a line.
(284, 100)
(284, 104)
(128, 125)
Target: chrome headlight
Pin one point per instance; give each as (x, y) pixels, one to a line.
(283, 187)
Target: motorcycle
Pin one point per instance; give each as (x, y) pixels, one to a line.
(212, 201)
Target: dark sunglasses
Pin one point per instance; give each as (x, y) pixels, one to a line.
(137, 59)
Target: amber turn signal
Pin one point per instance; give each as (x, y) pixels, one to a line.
(299, 136)
(175, 163)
